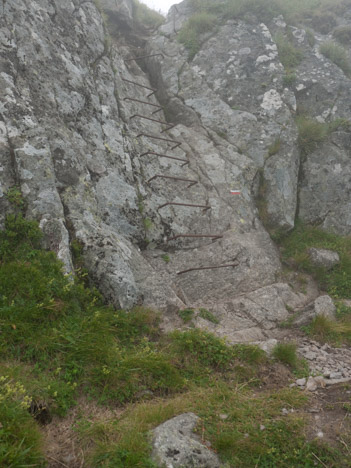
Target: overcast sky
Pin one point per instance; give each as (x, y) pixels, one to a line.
(163, 5)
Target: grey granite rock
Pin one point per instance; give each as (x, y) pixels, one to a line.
(323, 258)
(175, 445)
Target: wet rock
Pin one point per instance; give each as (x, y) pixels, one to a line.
(175, 444)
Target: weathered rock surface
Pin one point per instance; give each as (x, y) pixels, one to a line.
(75, 139)
(322, 306)
(323, 258)
(175, 444)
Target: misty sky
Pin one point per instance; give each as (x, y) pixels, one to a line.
(162, 5)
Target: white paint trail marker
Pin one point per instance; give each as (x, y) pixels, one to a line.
(235, 192)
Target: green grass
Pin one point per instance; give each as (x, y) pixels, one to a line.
(146, 16)
(238, 440)
(343, 34)
(337, 54)
(312, 133)
(295, 247)
(207, 315)
(208, 14)
(186, 315)
(326, 330)
(289, 55)
(58, 342)
(190, 34)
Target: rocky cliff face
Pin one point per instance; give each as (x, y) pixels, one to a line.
(77, 139)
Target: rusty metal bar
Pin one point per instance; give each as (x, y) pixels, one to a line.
(192, 182)
(205, 207)
(185, 161)
(153, 120)
(211, 236)
(178, 143)
(144, 102)
(143, 56)
(208, 268)
(141, 86)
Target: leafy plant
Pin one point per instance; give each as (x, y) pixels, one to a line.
(186, 315)
(337, 54)
(15, 197)
(207, 315)
(166, 258)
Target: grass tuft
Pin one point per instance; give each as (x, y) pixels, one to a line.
(337, 54)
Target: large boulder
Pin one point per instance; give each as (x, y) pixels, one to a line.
(175, 445)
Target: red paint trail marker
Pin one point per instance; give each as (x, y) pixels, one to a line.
(235, 192)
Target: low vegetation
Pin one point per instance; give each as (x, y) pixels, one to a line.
(208, 14)
(59, 343)
(289, 55)
(295, 247)
(343, 34)
(312, 133)
(146, 16)
(337, 54)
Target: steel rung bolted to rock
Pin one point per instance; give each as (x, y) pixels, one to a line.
(205, 207)
(192, 182)
(207, 268)
(141, 86)
(195, 236)
(160, 155)
(159, 108)
(143, 56)
(153, 120)
(178, 143)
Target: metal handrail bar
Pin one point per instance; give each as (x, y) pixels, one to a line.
(212, 236)
(185, 161)
(205, 207)
(144, 102)
(207, 268)
(192, 182)
(153, 120)
(141, 86)
(142, 57)
(178, 143)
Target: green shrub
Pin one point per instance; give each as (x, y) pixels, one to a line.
(206, 348)
(311, 134)
(146, 16)
(286, 353)
(296, 244)
(343, 34)
(289, 55)
(337, 54)
(20, 438)
(190, 34)
(289, 79)
(207, 315)
(310, 37)
(186, 315)
(275, 147)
